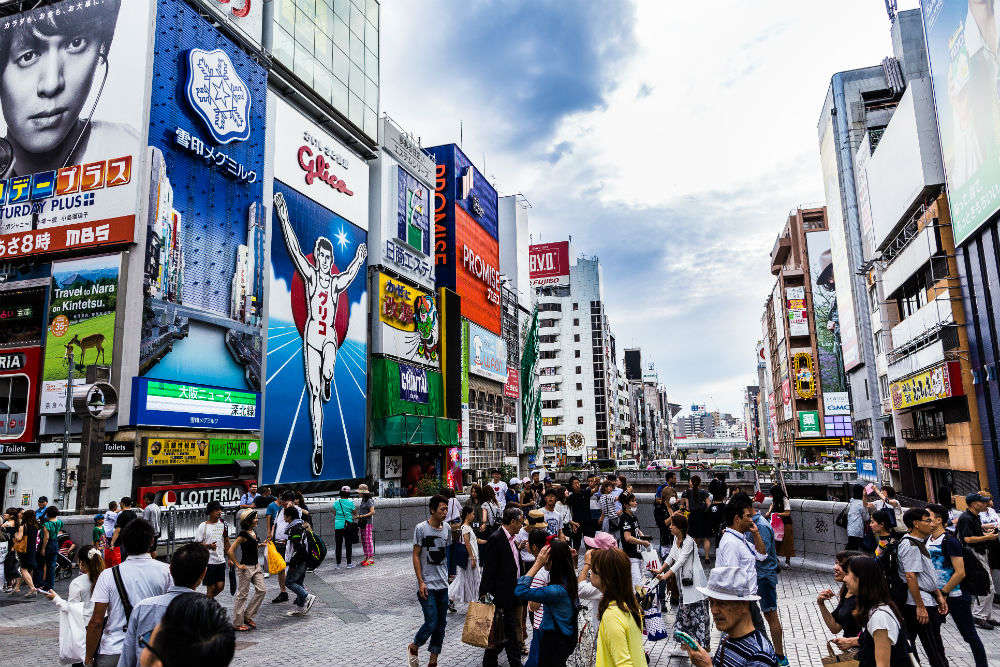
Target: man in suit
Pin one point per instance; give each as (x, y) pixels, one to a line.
(500, 573)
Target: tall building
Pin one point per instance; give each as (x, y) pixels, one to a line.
(576, 367)
(806, 362)
(857, 102)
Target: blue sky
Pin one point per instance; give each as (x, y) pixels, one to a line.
(670, 139)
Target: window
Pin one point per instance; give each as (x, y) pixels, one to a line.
(576, 306)
(548, 354)
(579, 402)
(546, 323)
(579, 386)
(883, 387)
(576, 321)
(576, 338)
(873, 297)
(13, 405)
(579, 370)
(576, 353)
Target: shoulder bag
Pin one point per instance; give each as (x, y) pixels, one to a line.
(350, 526)
(122, 595)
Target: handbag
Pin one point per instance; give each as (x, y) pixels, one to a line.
(232, 579)
(479, 624)
(275, 561)
(350, 526)
(841, 519)
(834, 660)
(653, 623)
(21, 544)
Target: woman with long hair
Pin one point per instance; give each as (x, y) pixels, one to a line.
(883, 641)
(841, 619)
(491, 511)
(249, 572)
(632, 538)
(780, 516)
(25, 544)
(696, 500)
(465, 587)
(619, 636)
(73, 643)
(559, 599)
(11, 572)
(684, 566)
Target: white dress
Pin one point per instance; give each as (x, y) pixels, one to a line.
(465, 587)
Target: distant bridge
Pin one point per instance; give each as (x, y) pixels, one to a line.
(710, 444)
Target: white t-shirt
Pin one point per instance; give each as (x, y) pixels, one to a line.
(143, 578)
(500, 488)
(554, 521)
(110, 518)
(206, 533)
(281, 526)
(882, 618)
(526, 555)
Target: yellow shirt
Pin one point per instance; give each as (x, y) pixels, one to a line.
(619, 640)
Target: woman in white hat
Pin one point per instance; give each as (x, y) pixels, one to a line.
(366, 524)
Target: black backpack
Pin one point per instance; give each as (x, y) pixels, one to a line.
(888, 560)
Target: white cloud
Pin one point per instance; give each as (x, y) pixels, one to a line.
(279, 302)
(357, 328)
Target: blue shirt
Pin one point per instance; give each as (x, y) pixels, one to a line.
(769, 565)
(557, 610)
(248, 498)
(145, 616)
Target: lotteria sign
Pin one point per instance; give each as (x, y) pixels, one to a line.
(318, 165)
(159, 403)
(195, 495)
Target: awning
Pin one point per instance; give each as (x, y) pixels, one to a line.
(415, 430)
(824, 442)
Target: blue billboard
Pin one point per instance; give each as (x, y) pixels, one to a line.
(867, 470)
(317, 342)
(457, 182)
(205, 253)
(161, 403)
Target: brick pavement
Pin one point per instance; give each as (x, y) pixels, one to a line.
(366, 616)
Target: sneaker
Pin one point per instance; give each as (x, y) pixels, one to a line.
(782, 661)
(294, 612)
(309, 603)
(267, 575)
(282, 597)
(351, 566)
(982, 624)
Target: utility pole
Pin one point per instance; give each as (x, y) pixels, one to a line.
(64, 469)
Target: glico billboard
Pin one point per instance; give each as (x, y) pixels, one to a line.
(466, 246)
(548, 264)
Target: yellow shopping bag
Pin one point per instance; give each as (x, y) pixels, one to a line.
(275, 562)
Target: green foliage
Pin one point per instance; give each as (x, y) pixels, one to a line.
(428, 486)
(55, 348)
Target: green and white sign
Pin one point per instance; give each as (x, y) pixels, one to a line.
(227, 450)
(159, 403)
(809, 423)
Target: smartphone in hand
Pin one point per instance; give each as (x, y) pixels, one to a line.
(687, 639)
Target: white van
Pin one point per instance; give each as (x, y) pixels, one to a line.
(627, 464)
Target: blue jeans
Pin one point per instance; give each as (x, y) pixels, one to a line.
(532, 659)
(296, 575)
(435, 609)
(51, 554)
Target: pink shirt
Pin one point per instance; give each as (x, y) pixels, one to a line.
(513, 548)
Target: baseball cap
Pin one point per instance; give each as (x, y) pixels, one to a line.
(977, 497)
(513, 481)
(97, 517)
(601, 540)
(345, 488)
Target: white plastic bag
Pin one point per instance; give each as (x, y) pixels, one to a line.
(650, 559)
(72, 632)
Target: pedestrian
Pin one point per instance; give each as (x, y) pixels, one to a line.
(737, 549)
(857, 517)
(247, 499)
(887, 501)
(554, 519)
(538, 539)
(841, 619)
(43, 503)
(366, 524)
(632, 538)
(513, 493)
(263, 499)
(465, 587)
(113, 555)
(590, 599)
(121, 587)
(249, 572)
(151, 513)
(683, 566)
(213, 534)
(594, 494)
(535, 520)
(881, 527)
(500, 574)
(125, 516)
(430, 544)
(499, 488)
(947, 557)
(295, 556)
(925, 608)
(559, 627)
(304, 514)
(609, 519)
(529, 498)
(49, 547)
(990, 520)
(619, 635)
(780, 517)
(578, 502)
(883, 641)
(969, 529)
(696, 501)
(767, 587)
(188, 567)
(562, 506)
(73, 641)
(491, 513)
(278, 533)
(344, 524)
(98, 535)
(194, 630)
(26, 547)
(731, 601)
(11, 571)
(720, 494)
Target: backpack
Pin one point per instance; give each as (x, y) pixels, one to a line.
(977, 579)
(315, 548)
(888, 560)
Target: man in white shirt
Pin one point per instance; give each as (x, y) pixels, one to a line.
(213, 534)
(151, 513)
(736, 549)
(499, 487)
(141, 577)
(280, 538)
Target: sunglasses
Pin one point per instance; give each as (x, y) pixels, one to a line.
(144, 642)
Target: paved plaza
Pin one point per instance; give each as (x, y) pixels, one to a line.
(366, 616)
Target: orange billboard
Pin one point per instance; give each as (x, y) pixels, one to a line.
(477, 272)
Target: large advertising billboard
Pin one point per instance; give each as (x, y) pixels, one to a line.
(159, 403)
(205, 254)
(798, 316)
(82, 307)
(477, 276)
(938, 382)
(962, 41)
(72, 96)
(19, 370)
(487, 354)
(826, 314)
(548, 264)
(317, 308)
(406, 324)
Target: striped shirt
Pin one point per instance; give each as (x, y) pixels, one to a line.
(752, 650)
(540, 580)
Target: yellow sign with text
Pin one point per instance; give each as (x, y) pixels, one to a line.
(167, 451)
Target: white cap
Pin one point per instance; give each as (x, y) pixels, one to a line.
(513, 481)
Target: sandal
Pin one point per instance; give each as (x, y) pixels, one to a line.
(253, 626)
(241, 628)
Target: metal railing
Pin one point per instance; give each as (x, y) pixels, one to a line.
(924, 433)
